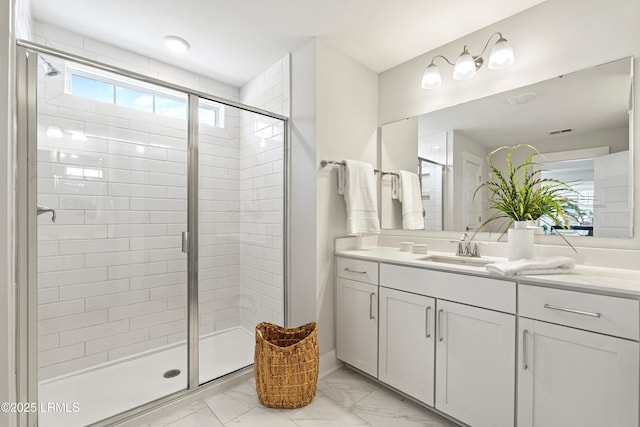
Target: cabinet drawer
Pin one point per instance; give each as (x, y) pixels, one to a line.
(598, 313)
(484, 292)
(355, 269)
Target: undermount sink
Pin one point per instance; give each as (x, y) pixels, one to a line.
(457, 260)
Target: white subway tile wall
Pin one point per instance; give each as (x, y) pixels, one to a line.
(218, 281)
(112, 277)
(262, 198)
(113, 263)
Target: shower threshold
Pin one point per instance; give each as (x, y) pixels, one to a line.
(98, 393)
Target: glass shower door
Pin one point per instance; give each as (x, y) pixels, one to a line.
(112, 277)
(240, 270)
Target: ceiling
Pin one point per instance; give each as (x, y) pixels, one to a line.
(235, 40)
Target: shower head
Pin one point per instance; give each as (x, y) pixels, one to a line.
(49, 70)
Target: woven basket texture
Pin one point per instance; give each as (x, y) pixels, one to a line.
(286, 364)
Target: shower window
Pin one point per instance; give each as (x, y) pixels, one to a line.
(92, 89)
(134, 99)
(111, 89)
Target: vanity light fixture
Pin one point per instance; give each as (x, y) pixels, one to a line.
(501, 56)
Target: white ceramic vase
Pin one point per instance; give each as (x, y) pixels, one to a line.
(519, 241)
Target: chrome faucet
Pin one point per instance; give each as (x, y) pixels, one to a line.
(467, 247)
(462, 248)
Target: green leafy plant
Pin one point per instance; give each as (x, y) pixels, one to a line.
(521, 193)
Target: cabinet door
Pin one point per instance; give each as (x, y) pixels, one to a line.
(475, 368)
(357, 325)
(406, 351)
(570, 377)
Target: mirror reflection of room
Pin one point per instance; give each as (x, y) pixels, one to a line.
(579, 122)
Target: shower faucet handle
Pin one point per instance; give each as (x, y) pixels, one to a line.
(40, 209)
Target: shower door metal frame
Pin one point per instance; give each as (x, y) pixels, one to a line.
(26, 248)
(26, 234)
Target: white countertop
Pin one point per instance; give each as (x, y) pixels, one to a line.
(615, 281)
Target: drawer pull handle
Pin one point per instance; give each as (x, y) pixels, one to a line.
(441, 338)
(426, 323)
(371, 316)
(571, 310)
(525, 363)
(354, 271)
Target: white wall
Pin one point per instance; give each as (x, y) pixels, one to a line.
(333, 111)
(550, 39)
(302, 167)
(347, 102)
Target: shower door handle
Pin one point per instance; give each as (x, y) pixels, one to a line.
(40, 209)
(185, 242)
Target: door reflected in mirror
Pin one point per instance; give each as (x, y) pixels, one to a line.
(578, 121)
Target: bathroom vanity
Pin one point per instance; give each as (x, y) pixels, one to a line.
(531, 351)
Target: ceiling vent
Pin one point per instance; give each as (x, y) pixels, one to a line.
(522, 98)
(556, 132)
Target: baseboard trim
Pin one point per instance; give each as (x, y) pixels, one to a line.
(329, 363)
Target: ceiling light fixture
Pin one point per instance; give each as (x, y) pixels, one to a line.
(176, 44)
(501, 56)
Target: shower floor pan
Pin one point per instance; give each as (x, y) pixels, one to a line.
(109, 390)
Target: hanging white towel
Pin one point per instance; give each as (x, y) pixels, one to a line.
(539, 265)
(411, 200)
(395, 187)
(356, 181)
(341, 170)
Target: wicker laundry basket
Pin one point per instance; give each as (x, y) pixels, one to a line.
(286, 364)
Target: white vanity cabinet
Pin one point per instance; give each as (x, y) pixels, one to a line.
(406, 358)
(475, 372)
(357, 314)
(473, 347)
(578, 359)
(456, 342)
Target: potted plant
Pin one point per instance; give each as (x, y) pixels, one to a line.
(520, 194)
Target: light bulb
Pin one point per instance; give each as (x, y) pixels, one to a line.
(431, 78)
(501, 55)
(465, 66)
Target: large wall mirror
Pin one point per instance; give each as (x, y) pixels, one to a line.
(581, 123)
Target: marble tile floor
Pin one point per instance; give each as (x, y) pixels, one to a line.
(343, 398)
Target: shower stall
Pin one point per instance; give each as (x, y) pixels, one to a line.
(151, 236)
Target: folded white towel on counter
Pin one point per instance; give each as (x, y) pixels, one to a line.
(540, 265)
(356, 181)
(411, 200)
